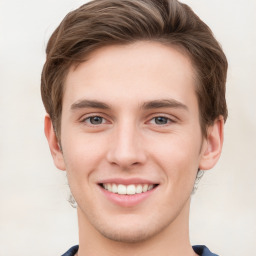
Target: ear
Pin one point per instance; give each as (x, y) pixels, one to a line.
(212, 147)
(53, 143)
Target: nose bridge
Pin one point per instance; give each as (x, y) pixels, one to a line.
(126, 148)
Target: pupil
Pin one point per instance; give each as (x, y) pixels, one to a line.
(96, 120)
(161, 120)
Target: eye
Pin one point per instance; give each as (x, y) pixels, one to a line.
(94, 120)
(160, 120)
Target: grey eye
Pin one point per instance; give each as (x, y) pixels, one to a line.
(96, 120)
(161, 120)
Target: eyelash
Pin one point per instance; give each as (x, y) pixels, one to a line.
(88, 120)
(166, 119)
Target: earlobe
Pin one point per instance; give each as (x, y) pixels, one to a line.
(212, 151)
(53, 143)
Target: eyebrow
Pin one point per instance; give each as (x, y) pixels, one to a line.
(89, 104)
(164, 103)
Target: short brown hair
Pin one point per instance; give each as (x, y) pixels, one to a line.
(106, 22)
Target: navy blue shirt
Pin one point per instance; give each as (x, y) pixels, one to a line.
(199, 249)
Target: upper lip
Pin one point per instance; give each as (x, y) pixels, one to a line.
(127, 181)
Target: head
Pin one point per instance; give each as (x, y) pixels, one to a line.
(102, 23)
(135, 92)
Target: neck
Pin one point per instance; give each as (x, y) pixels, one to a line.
(173, 240)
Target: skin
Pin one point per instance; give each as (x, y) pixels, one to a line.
(135, 85)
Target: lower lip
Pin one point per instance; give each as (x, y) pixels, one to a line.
(127, 200)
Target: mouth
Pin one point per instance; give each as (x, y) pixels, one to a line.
(130, 189)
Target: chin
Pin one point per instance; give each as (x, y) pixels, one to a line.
(127, 236)
(130, 230)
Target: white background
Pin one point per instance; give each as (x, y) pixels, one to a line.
(35, 218)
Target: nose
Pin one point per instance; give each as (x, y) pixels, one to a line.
(126, 147)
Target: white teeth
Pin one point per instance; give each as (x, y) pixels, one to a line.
(114, 188)
(138, 189)
(150, 187)
(145, 188)
(129, 189)
(121, 189)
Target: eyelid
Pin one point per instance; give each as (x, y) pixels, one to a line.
(171, 118)
(88, 118)
(169, 121)
(94, 114)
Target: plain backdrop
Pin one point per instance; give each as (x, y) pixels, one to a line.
(35, 217)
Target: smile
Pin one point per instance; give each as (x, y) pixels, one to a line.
(131, 189)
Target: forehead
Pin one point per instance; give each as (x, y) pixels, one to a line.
(140, 71)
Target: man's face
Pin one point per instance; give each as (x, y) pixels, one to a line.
(131, 139)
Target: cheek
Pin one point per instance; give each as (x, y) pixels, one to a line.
(82, 153)
(179, 157)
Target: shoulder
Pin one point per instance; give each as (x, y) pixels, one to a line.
(71, 252)
(202, 250)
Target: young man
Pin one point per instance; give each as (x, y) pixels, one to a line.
(135, 96)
